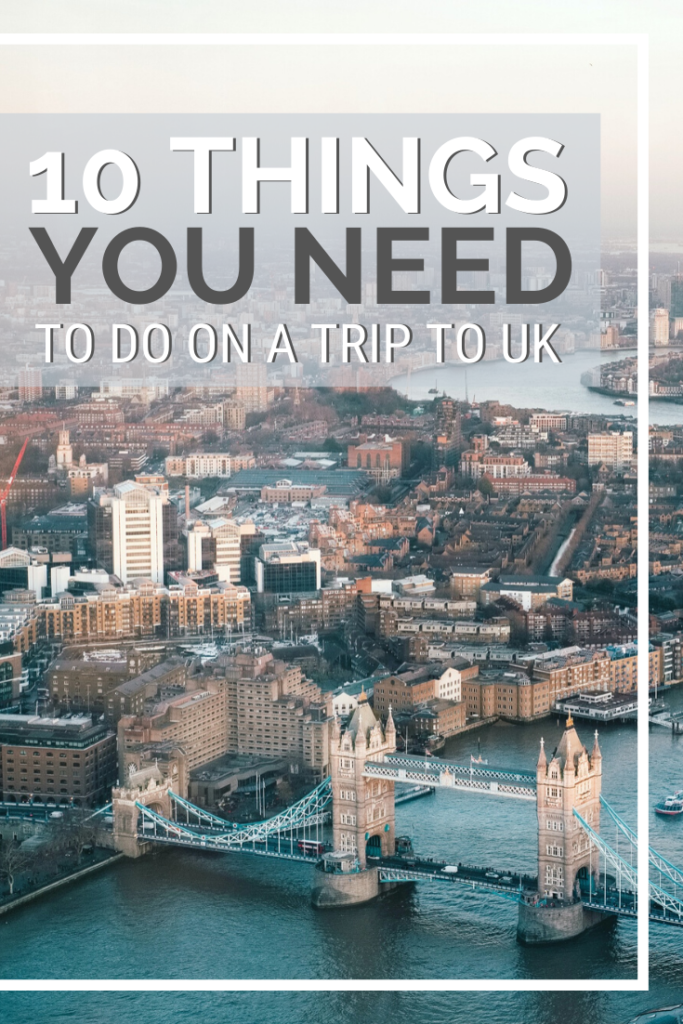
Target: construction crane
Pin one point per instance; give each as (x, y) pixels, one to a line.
(5, 494)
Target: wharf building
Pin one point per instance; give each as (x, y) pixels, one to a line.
(110, 611)
(65, 760)
(192, 716)
(274, 710)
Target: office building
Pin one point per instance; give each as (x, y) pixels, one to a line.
(287, 568)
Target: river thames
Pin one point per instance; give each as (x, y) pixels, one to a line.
(543, 385)
(180, 914)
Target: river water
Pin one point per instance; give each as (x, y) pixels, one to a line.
(543, 385)
(182, 914)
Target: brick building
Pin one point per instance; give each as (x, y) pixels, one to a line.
(56, 759)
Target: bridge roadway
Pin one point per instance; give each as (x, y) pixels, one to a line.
(285, 849)
(511, 884)
(516, 783)
(516, 887)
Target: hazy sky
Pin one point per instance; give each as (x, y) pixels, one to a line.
(587, 78)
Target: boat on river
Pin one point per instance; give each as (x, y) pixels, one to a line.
(671, 806)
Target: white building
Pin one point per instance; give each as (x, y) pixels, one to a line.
(612, 448)
(137, 532)
(214, 544)
(207, 464)
(660, 327)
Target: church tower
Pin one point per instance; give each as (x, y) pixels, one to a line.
(65, 453)
(570, 779)
(363, 809)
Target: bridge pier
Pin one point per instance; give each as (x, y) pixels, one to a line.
(541, 925)
(345, 889)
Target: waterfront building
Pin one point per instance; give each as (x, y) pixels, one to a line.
(62, 759)
(275, 710)
(193, 717)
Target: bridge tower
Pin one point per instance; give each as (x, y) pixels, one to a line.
(148, 786)
(362, 809)
(571, 779)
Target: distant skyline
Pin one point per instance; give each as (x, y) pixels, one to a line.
(571, 79)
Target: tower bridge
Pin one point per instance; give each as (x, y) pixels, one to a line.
(584, 877)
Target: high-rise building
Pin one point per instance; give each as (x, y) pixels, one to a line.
(214, 544)
(137, 533)
(660, 327)
(612, 449)
(30, 384)
(133, 531)
(252, 386)
(676, 307)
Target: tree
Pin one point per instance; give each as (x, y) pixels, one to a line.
(12, 860)
(79, 831)
(486, 487)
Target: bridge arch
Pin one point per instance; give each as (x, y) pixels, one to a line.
(373, 845)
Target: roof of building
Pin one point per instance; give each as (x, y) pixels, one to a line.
(338, 481)
(363, 718)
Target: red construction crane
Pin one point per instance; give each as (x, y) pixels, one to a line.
(5, 494)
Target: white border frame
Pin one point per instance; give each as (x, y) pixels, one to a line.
(640, 42)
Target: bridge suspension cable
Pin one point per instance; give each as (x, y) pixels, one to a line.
(665, 895)
(270, 837)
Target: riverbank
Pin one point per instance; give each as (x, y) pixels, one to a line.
(73, 876)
